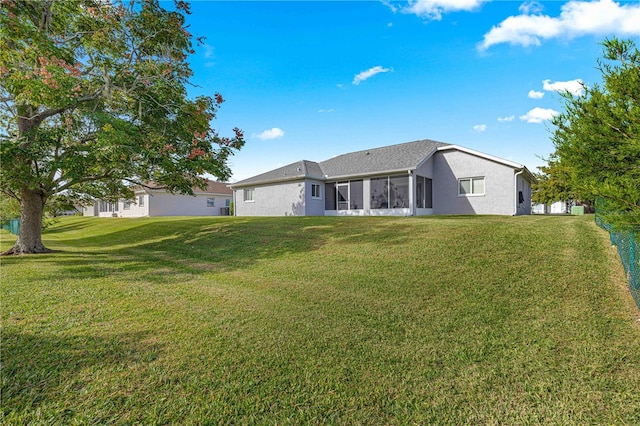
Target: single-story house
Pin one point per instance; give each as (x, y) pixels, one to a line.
(416, 178)
(215, 200)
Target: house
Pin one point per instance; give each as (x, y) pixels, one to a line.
(215, 200)
(415, 178)
(557, 207)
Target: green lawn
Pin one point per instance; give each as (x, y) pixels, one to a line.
(437, 320)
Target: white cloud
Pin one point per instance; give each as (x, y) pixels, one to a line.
(506, 119)
(209, 55)
(530, 7)
(535, 95)
(208, 51)
(433, 9)
(575, 87)
(367, 74)
(577, 18)
(480, 128)
(325, 110)
(273, 133)
(538, 115)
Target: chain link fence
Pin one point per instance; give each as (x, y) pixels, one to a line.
(12, 226)
(626, 242)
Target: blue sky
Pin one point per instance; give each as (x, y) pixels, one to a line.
(311, 80)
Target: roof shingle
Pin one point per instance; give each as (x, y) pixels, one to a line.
(405, 156)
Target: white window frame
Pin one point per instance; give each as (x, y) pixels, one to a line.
(316, 195)
(211, 201)
(140, 200)
(249, 194)
(471, 180)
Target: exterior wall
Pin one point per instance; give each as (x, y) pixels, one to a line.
(313, 206)
(165, 204)
(559, 207)
(523, 185)
(159, 203)
(90, 210)
(539, 208)
(135, 209)
(426, 169)
(449, 166)
(283, 199)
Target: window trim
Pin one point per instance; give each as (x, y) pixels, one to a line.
(318, 195)
(213, 201)
(250, 191)
(471, 180)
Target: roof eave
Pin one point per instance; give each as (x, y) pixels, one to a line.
(369, 174)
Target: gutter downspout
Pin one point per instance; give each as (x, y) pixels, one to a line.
(235, 204)
(515, 191)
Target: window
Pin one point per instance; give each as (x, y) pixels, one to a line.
(211, 202)
(126, 205)
(390, 192)
(248, 194)
(227, 202)
(424, 197)
(356, 195)
(330, 196)
(471, 186)
(315, 191)
(141, 200)
(106, 206)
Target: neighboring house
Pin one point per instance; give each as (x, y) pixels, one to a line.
(415, 178)
(557, 207)
(215, 200)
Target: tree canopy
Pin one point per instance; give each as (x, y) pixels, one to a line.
(597, 138)
(94, 99)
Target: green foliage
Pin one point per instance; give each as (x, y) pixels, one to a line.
(95, 100)
(320, 320)
(553, 183)
(597, 137)
(9, 208)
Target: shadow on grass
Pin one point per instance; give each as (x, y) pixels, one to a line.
(163, 250)
(39, 368)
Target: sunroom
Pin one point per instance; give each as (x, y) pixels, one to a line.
(392, 195)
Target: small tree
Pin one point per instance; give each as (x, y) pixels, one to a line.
(597, 137)
(93, 99)
(554, 183)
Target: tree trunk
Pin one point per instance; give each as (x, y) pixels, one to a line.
(30, 236)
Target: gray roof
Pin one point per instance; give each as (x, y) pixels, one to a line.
(295, 171)
(404, 156)
(393, 158)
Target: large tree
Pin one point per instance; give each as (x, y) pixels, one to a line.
(597, 137)
(93, 98)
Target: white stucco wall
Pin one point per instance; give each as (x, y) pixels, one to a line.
(164, 204)
(282, 199)
(135, 210)
(449, 166)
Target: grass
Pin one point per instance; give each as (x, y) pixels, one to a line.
(437, 320)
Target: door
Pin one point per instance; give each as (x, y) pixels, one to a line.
(343, 196)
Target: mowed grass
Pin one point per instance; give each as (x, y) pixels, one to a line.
(433, 320)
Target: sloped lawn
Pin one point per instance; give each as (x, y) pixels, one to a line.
(439, 320)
